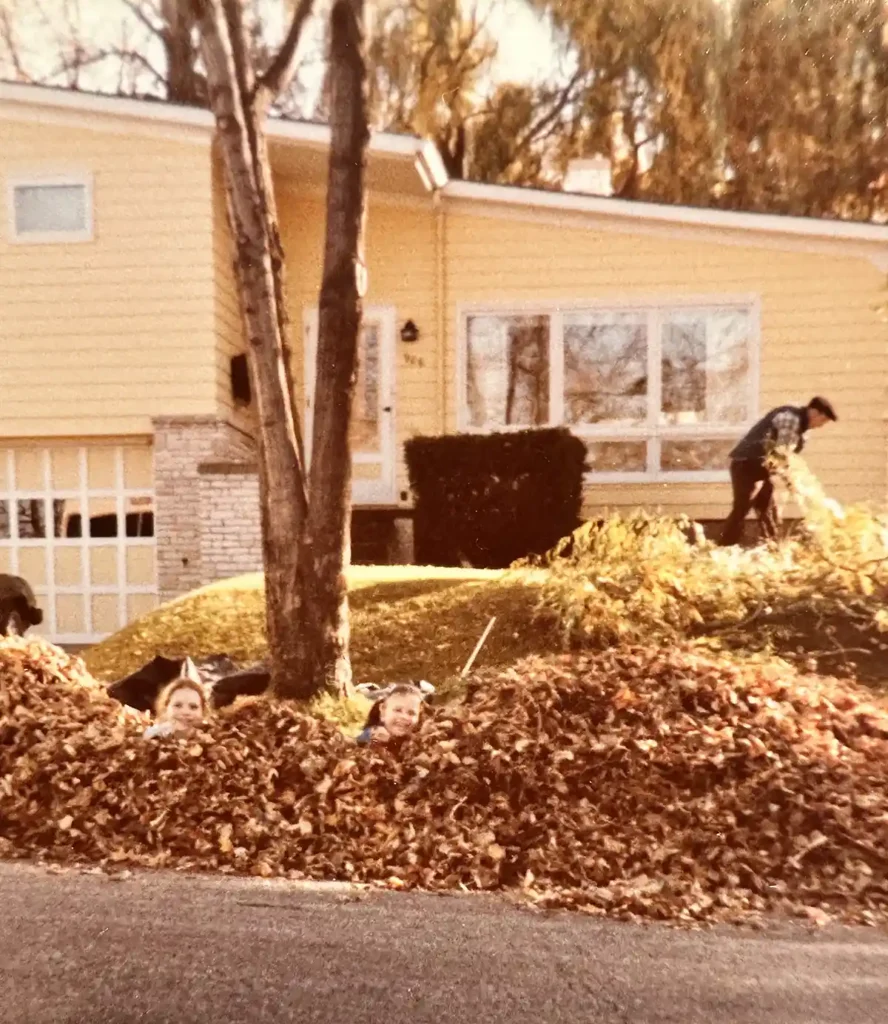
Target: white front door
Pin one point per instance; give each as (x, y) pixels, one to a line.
(372, 433)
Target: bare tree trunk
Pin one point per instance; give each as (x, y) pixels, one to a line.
(305, 529)
(259, 274)
(184, 84)
(326, 543)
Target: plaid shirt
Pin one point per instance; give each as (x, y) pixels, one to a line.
(781, 429)
(787, 430)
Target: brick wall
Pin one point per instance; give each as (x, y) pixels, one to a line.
(230, 525)
(182, 444)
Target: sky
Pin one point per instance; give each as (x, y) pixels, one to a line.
(525, 44)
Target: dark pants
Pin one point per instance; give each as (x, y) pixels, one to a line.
(745, 474)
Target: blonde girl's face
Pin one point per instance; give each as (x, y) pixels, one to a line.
(184, 710)
(400, 713)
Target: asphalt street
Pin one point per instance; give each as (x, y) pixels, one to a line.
(162, 949)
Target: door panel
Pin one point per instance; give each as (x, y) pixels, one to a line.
(371, 432)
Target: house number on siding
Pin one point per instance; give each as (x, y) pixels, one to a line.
(411, 360)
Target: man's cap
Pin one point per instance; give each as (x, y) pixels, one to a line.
(824, 407)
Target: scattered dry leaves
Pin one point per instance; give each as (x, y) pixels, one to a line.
(642, 782)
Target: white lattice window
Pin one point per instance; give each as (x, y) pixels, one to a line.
(656, 391)
(51, 209)
(77, 522)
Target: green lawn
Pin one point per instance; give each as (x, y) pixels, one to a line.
(407, 622)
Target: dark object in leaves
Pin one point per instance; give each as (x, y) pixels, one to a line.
(141, 688)
(490, 499)
(249, 682)
(18, 606)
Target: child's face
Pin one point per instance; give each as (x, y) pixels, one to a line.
(184, 711)
(400, 713)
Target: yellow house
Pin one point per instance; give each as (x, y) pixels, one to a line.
(126, 440)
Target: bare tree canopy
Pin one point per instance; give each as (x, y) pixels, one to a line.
(142, 48)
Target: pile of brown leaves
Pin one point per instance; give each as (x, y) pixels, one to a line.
(646, 782)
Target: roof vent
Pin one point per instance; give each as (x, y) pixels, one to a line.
(589, 175)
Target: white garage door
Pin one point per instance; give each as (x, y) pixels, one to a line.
(77, 522)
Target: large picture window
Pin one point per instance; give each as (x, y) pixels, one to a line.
(655, 392)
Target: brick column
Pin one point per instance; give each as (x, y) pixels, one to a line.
(230, 519)
(181, 445)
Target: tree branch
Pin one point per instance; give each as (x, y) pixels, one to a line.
(126, 57)
(137, 10)
(551, 116)
(8, 37)
(279, 73)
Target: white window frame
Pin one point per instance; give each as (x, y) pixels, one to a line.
(79, 179)
(652, 432)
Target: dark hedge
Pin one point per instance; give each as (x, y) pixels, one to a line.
(488, 499)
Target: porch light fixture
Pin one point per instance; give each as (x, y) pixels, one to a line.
(410, 332)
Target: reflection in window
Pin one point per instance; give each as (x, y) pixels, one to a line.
(605, 368)
(138, 523)
(139, 517)
(507, 370)
(31, 518)
(364, 426)
(705, 366)
(637, 384)
(694, 455)
(617, 456)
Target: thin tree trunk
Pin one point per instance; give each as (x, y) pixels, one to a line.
(325, 552)
(183, 81)
(259, 274)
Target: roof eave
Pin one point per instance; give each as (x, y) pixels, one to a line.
(621, 209)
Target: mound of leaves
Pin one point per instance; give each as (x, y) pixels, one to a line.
(818, 596)
(634, 782)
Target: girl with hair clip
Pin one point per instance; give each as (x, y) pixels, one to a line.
(181, 707)
(395, 713)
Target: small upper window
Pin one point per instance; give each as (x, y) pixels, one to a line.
(51, 210)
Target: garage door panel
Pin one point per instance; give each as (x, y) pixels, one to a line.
(103, 566)
(68, 566)
(32, 565)
(138, 469)
(102, 471)
(29, 470)
(105, 613)
(77, 521)
(71, 614)
(65, 469)
(140, 604)
(140, 571)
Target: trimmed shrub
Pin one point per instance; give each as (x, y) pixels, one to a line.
(489, 499)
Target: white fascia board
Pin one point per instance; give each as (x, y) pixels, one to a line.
(561, 202)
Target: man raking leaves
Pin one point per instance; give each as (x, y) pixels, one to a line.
(783, 428)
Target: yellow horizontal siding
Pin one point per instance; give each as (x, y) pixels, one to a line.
(100, 336)
(821, 331)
